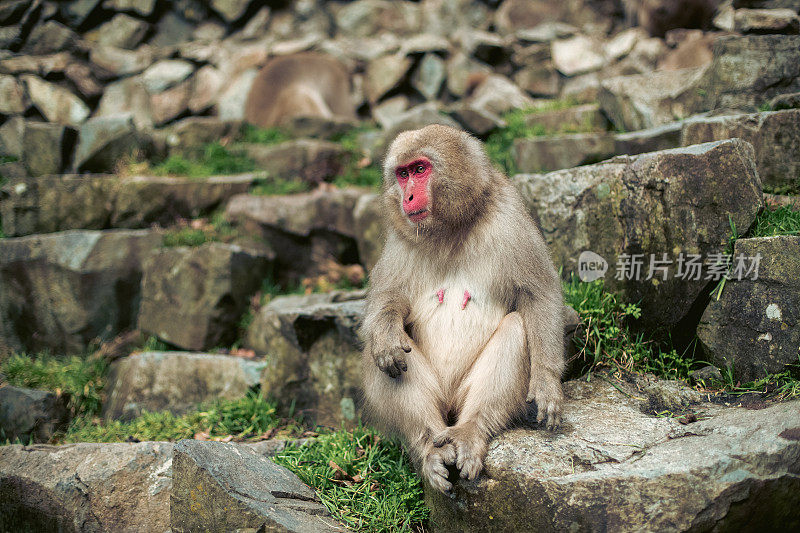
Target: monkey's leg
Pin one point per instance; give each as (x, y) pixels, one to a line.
(412, 406)
(492, 393)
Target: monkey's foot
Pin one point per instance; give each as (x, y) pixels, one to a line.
(470, 446)
(434, 467)
(548, 396)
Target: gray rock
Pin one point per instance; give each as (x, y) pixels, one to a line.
(10, 37)
(754, 327)
(785, 101)
(141, 7)
(40, 146)
(318, 127)
(62, 291)
(706, 375)
(86, 487)
(577, 55)
(654, 139)
(223, 487)
(103, 142)
(55, 203)
(429, 76)
(206, 84)
(121, 62)
(766, 21)
(299, 214)
(539, 79)
(48, 38)
(230, 10)
(308, 160)
(642, 101)
(78, 11)
(28, 415)
(612, 467)
(516, 15)
(384, 74)
(127, 96)
(172, 29)
(82, 76)
(579, 118)
(176, 382)
(498, 95)
(543, 154)
(166, 73)
(171, 103)
(748, 71)
(640, 205)
(460, 69)
(144, 200)
(368, 219)
(232, 98)
(190, 135)
(193, 297)
(311, 347)
(364, 18)
(477, 120)
(775, 136)
(12, 11)
(122, 31)
(13, 100)
(56, 103)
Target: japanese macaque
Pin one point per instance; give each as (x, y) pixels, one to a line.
(463, 321)
(300, 85)
(660, 16)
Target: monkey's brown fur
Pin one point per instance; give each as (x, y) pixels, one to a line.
(300, 85)
(463, 374)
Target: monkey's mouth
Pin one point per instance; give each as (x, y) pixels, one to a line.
(419, 215)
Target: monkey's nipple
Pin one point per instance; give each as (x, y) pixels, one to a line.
(467, 298)
(440, 295)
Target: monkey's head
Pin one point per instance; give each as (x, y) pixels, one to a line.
(436, 180)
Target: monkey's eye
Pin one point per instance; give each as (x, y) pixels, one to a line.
(403, 173)
(420, 169)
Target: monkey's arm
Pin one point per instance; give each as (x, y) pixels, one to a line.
(382, 329)
(544, 331)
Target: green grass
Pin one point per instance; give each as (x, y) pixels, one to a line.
(244, 418)
(779, 221)
(269, 186)
(214, 160)
(254, 134)
(608, 342)
(200, 231)
(779, 386)
(378, 490)
(82, 378)
(357, 172)
(554, 105)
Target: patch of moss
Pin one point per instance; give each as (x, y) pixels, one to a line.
(214, 160)
(254, 134)
(200, 231)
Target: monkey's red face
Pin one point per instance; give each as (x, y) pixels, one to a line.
(413, 179)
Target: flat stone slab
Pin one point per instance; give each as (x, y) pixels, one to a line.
(612, 467)
(224, 487)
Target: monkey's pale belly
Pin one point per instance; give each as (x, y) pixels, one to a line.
(452, 332)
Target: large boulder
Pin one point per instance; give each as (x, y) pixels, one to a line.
(754, 327)
(615, 466)
(56, 103)
(64, 291)
(30, 415)
(86, 487)
(642, 101)
(308, 160)
(775, 136)
(747, 71)
(105, 142)
(56, 203)
(42, 148)
(176, 382)
(304, 229)
(312, 351)
(370, 234)
(193, 297)
(224, 487)
(644, 210)
(546, 153)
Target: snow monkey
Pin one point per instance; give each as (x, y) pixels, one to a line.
(307, 84)
(463, 319)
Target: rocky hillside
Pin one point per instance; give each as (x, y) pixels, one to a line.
(173, 268)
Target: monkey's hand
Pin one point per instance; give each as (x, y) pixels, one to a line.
(546, 391)
(390, 356)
